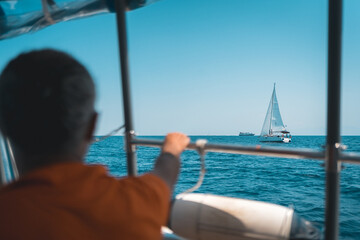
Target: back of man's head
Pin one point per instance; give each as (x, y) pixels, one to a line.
(46, 102)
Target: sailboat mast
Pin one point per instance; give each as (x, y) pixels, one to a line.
(272, 107)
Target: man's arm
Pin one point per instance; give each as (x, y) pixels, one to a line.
(168, 163)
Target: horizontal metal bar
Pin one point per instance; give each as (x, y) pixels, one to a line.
(349, 158)
(238, 149)
(256, 150)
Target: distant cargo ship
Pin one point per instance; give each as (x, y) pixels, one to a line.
(246, 134)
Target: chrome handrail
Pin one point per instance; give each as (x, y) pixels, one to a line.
(257, 150)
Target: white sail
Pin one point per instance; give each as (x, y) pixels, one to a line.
(273, 122)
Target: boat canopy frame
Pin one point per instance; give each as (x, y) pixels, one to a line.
(332, 155)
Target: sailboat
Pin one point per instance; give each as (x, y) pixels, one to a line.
(273, 129)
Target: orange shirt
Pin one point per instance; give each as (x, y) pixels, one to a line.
(76, 201)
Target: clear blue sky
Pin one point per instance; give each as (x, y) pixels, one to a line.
(208, 67)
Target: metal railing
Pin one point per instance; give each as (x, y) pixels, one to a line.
(258, 150)
(332, 153)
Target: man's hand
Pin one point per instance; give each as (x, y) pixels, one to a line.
(175, 143)
(168, 163)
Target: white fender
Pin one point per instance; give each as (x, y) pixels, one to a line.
(205, 216)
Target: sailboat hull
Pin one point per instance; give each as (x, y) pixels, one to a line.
(275, 139)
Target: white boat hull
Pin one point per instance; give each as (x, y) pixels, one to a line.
(286, 140)
(275, 139)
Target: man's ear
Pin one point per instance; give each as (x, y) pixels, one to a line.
(91, 127)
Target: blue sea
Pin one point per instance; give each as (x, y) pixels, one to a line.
(298, 183)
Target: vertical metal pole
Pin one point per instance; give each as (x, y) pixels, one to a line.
(333, 120)
(2, 170)
(120, 6)
(10, 154)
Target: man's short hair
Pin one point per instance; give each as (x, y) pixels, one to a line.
(46, 102)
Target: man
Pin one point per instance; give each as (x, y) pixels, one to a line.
(47, 112)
